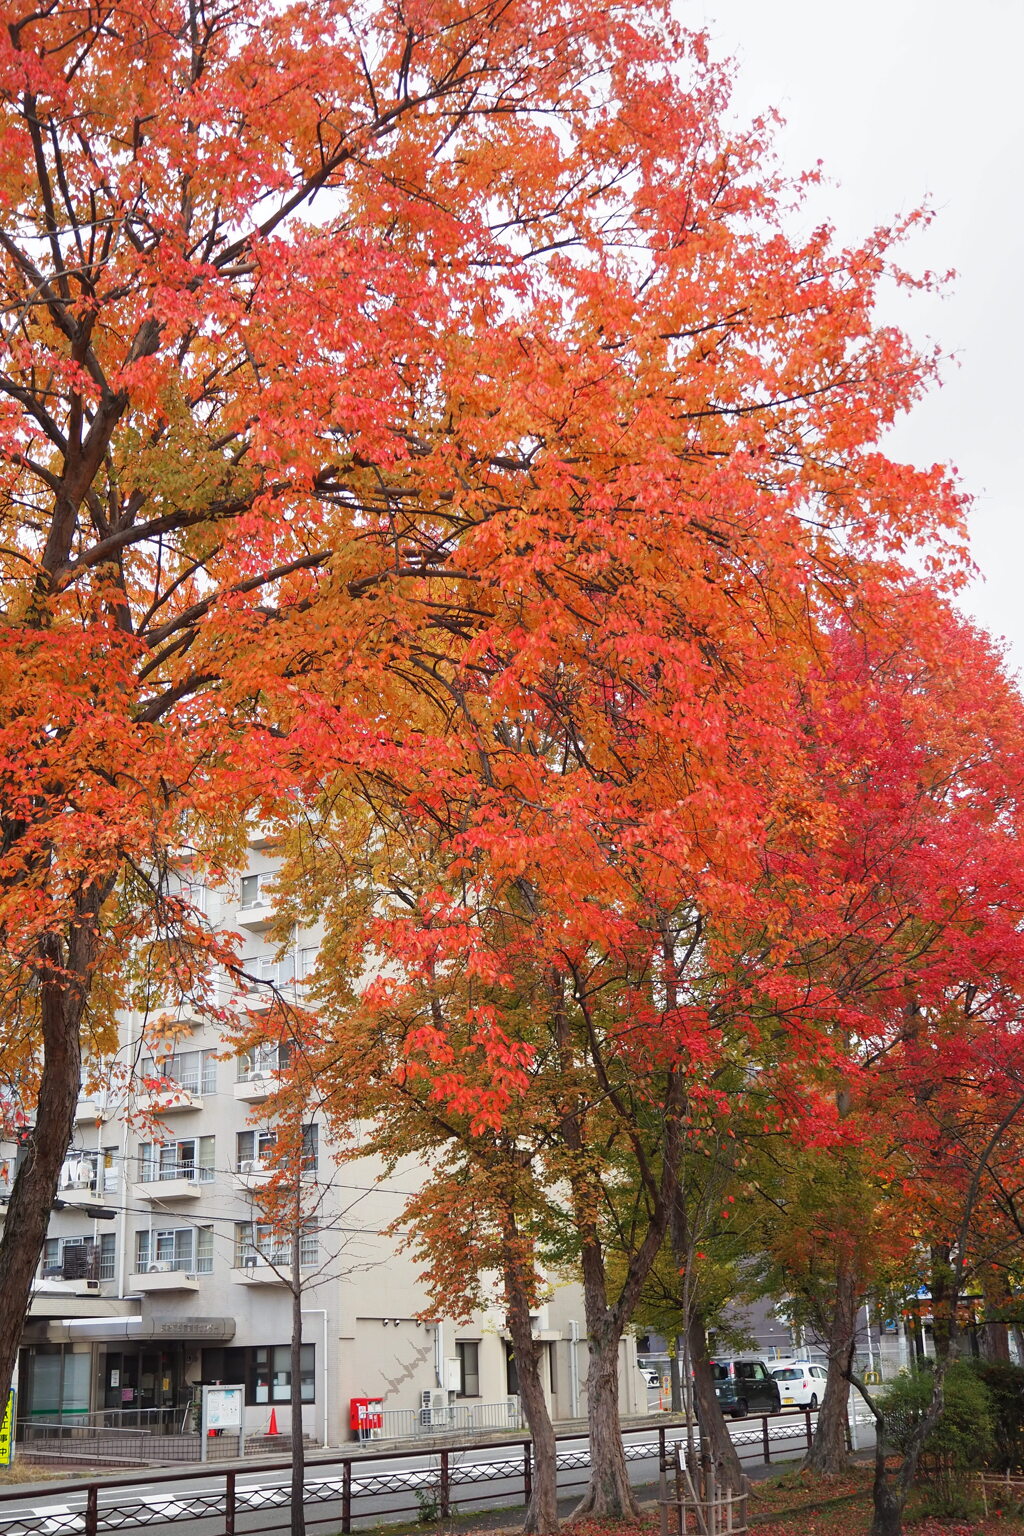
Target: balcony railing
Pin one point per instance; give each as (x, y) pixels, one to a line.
(153, 1172)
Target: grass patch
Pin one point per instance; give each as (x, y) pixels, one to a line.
(29, 1472)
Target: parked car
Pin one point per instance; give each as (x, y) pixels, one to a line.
(650, 1375)
(801, 1382)
(745, 1386)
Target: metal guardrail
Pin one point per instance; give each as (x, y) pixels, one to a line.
(164, 1419)
(85, 1444)
(335, 1486)
(453, 1418)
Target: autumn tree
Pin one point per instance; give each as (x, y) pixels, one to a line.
(903, 912)
(279, 286)
(366, 436)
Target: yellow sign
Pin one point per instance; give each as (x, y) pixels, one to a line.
(7, 1432)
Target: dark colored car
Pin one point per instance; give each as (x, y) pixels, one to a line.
(745, 1386)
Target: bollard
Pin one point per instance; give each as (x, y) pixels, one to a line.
(229, 1504)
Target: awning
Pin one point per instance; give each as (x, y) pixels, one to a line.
(208, 1330)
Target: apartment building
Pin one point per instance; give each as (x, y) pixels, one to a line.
(159, 1275)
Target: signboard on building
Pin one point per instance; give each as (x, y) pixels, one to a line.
(7, 1432)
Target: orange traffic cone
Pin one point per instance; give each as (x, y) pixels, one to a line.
(273, 1430)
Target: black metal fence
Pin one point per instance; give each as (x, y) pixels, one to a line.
(343, 1492)
(88, 1440)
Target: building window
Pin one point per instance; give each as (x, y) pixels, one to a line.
(270, 1379)
(469, 1369)
(194, 895)
(191, 1158)
(257, 1242)
(254, 892)
(254, 1147)
(265, 1369)
(69, 1258)
(275, 973)
(90, 1170)
(258, 1147)
(263, 1061)
(108, 1256)
(178, 1248)
(195, 1071)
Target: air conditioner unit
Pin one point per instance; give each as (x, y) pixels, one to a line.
(159, 1267)
(259, 1076)
(249, 1260)
(252, 1165)
(426, 1399)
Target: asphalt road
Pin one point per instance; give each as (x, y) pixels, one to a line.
(481, 1478)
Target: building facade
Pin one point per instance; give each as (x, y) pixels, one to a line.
(159, 1276)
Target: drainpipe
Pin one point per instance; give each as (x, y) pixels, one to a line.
(574, 1369)
(439, 1352)
(121, 1229)
(321, 1312)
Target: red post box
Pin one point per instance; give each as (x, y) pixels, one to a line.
(366, 1414)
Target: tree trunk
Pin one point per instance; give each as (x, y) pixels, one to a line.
(298, 1511)
(887, 1507)
(995, 1335)
(675, 1378)
(64, 981)
(609, 1495)
(890, 1490)
(542, 1510)
(941, 1287)
(828, 1454)
(714, 1432)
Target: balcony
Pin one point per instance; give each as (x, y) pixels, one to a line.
(257, 915)
(252, 1172)
(160, 1276)
(75, 1197)
(181, 1181)
(256, 1087)
(259, 1272)
(168, 1101)
(83, 1185)
(175, 1022)
(56, 1286)
(91, 1112)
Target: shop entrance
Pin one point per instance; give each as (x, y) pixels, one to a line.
(144, 1388)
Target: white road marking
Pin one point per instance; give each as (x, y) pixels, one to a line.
(167, 1507)
(59, 1518)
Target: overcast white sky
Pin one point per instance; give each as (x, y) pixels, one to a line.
(906, 101)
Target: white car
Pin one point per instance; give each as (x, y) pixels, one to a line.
(650, 1375)
(801, 1383)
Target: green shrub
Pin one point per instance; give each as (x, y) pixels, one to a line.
(962, 1441)
(1005, 1385)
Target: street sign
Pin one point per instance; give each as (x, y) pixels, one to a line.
(7, 1432)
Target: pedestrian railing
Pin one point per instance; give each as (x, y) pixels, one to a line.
(362, 1488)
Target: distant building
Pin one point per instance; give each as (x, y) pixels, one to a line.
(158, 1275)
